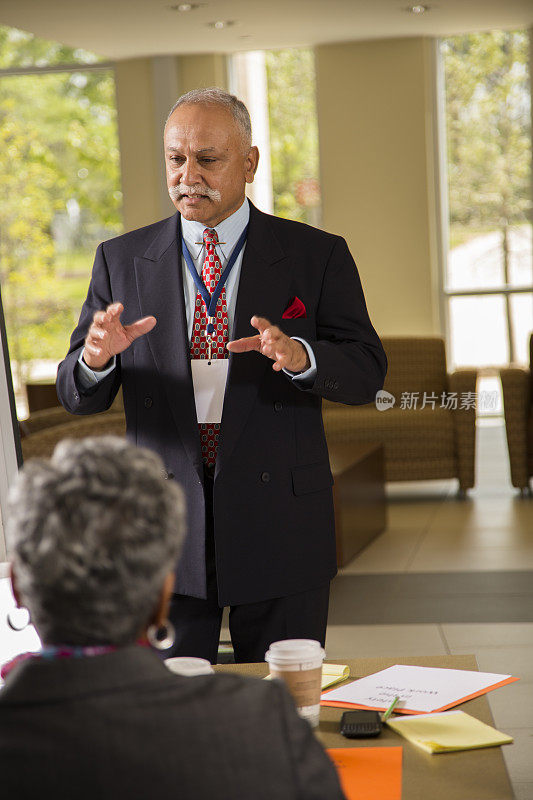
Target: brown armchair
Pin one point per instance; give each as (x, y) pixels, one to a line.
(518, 409)
(434, 441)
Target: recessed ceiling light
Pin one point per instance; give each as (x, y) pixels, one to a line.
(182, 7)
(220, 24)
(418, 9)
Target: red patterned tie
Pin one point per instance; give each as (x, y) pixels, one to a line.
(211, 272)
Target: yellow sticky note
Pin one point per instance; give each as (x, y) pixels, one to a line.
(331, 674)
(448, 731)
(334, 673)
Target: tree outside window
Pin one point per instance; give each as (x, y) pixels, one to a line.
(490, 268)
(59, 194)
(293, 134)
(278, 87)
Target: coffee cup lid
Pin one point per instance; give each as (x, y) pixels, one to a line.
(290, 650)
(187, 665)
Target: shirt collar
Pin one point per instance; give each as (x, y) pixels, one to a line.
(228, 231)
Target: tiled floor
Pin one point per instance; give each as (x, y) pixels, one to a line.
(455, 577)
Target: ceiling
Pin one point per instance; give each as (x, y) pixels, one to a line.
(127, 28)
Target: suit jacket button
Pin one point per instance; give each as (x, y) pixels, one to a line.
(265, 477)
(170, 476)
(76, 397)
(278, 406)
(148, 402)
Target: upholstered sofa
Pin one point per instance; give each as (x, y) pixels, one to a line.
(43, 429)
(435, 439)
(420, 443)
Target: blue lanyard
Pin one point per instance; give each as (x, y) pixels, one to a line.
(212, 300)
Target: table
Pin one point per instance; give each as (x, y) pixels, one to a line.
(468, 775)
(358, 496)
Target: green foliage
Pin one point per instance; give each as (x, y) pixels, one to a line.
(59, 191)
(26, 250)
(22, 49)
(293, 127)
(488, 130)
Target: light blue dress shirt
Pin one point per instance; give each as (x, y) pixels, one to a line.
(228, 232)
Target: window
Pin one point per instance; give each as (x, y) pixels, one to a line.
(489, 277)
(59, 193)
(278, 87)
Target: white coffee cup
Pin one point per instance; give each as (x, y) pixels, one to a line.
(298, 662)
(187, 665)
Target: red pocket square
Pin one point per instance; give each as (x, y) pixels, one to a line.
(295, 309)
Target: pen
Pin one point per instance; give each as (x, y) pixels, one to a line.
(390, 709)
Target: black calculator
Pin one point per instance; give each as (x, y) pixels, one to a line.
(361, 724)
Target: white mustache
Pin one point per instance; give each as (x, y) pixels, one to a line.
(179, 191)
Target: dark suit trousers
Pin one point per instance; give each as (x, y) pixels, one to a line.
(253, 626)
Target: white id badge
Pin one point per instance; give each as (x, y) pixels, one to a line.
(209, 383)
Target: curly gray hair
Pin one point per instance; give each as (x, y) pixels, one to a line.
(94, 531)
(218, 97)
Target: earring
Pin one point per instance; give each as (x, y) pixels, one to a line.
(18, 618)
(161, 637)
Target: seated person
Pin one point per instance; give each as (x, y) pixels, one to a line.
(95, 533)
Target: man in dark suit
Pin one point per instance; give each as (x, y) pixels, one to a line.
(258, 481)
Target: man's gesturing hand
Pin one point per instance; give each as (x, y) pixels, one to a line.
(107, 336)
(273, 343)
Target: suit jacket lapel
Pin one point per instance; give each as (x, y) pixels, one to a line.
(263, 287)
(160, 288)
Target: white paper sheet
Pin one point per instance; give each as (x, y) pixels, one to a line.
(421, 689)
(209, 383)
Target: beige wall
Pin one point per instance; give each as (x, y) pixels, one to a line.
(146, 89)
(199, 72)
(375, 117)
(135, 109)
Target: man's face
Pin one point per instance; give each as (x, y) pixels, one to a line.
(206, 163)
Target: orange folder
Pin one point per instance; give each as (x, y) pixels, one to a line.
(369, 773)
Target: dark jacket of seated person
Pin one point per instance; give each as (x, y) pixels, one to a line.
(95, 533)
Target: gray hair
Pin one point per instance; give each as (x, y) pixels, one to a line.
(214, 96)
(94, 532)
